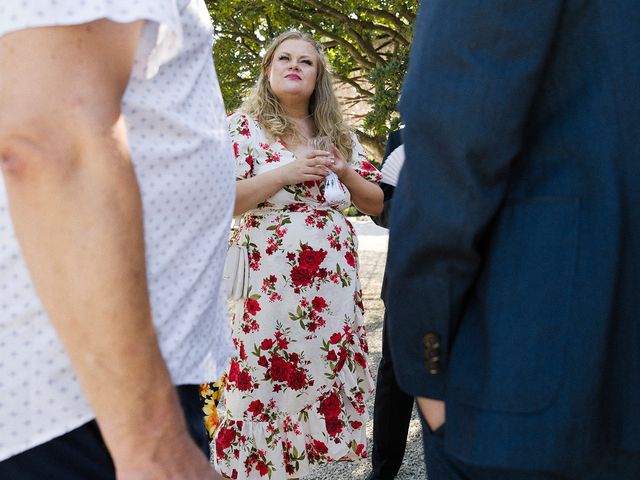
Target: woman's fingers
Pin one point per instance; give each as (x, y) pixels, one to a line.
(319, 157)
(317, 170)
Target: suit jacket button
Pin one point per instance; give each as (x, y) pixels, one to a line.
(433, 365)
(431, 340)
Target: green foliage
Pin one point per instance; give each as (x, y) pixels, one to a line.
(367, 43)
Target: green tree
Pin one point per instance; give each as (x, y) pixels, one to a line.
(367, 42)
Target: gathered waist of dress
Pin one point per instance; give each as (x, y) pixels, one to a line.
(269, 209)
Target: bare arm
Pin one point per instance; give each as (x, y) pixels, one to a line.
(77, 213)
(365, 195)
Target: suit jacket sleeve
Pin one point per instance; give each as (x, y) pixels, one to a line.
(473, 75)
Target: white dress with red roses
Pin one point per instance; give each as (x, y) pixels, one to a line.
(296, 390)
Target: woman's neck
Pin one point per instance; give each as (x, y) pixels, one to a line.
(297, 110)
(303, 121)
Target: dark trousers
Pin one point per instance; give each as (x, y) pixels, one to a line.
(391, 416)
(440, 466)
(81, 454)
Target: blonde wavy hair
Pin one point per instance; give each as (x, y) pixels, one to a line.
(324, 108)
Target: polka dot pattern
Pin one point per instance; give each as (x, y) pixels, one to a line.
(183, 159)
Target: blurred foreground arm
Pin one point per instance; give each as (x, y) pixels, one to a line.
(77, 214)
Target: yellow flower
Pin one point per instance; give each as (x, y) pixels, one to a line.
(211, 393)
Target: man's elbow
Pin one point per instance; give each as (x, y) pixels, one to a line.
(33, 153)
(22, 156)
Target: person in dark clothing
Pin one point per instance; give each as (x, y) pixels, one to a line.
(392, 408)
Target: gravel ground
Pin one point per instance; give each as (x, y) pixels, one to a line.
(373, 254)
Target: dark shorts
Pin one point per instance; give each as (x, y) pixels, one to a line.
(81, 454)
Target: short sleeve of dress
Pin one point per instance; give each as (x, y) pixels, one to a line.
(245, 134)
(361, 165)
(160, 41)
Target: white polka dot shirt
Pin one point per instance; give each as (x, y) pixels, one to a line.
(183, 159)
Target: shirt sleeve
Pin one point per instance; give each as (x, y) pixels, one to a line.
(361, 165)
(244, 132)
(161, 37)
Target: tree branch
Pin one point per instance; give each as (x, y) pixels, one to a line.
(367, 47)
(364, 62)
(376, 12)
(354, 84)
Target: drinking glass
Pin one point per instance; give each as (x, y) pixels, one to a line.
(333, 190)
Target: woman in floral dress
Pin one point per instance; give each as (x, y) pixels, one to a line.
(296, 390)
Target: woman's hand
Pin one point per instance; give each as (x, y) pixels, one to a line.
(313, 167)
(339, 165)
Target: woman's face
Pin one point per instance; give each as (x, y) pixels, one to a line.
(293, 69)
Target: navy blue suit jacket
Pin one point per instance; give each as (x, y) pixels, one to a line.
(514, 258)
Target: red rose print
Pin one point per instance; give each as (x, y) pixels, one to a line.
(234, 370)
(297, 380)
(283, 343)
(335, 338)
(262, 361)
(252, 306)
(332, 356)
(262, 468)
(236, 149)
(244, 381)
(359, 448)
(355, 424)
(311, 259)
(318, 304)
(300, 276)
(342, 358)
(256, 407)
(334, 426)
(359, 358)
(266, 344)
(348, 256)
(254, 260)
(225, 437)
(320, 447)
(280, 369)
(249, 160)
(366, 166)
(330, 406)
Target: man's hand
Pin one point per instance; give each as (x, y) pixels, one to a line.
(175, 459)
(433, 412)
